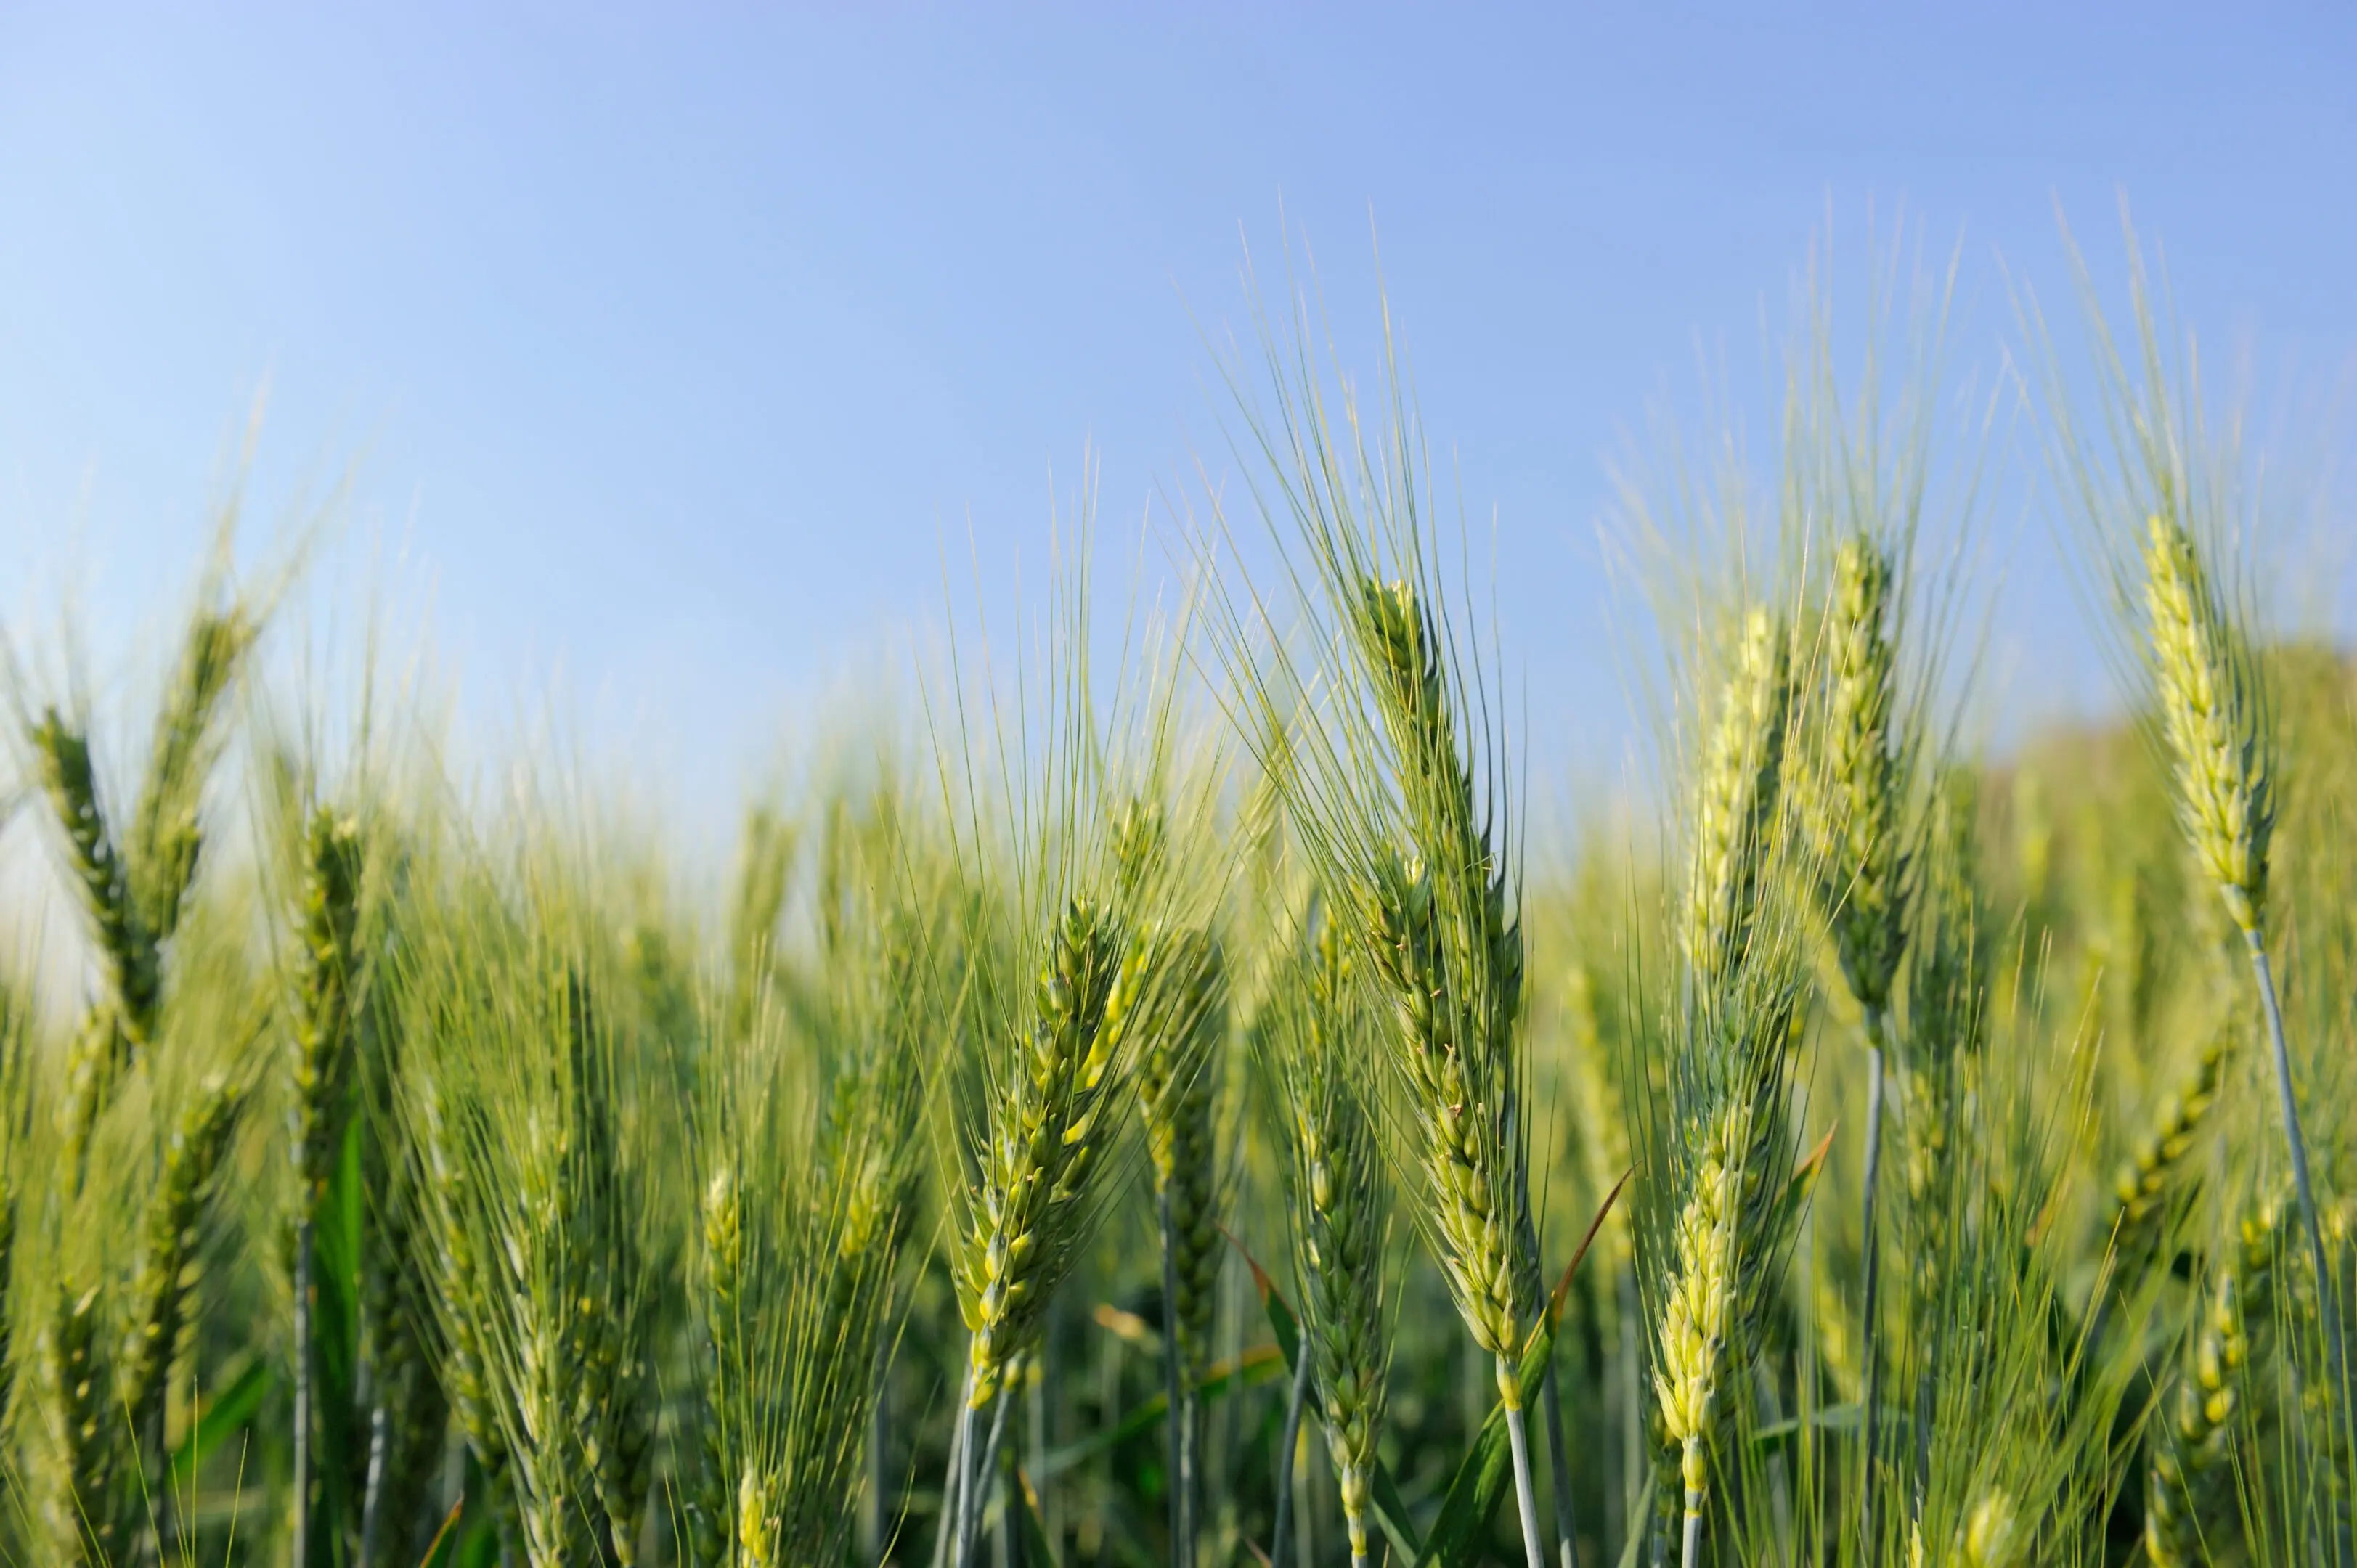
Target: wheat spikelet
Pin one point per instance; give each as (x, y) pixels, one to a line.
(605, 1337)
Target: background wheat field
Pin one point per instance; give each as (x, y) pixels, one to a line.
(1170, 1107)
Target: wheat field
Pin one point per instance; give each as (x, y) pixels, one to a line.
(1175, 1113)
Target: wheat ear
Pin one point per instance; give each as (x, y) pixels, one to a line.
(165, 833)
(160, 1285)
(1339, 1202)
(80, 1426)
(1049, 1128)
(1177, 1085)
(117, 1025)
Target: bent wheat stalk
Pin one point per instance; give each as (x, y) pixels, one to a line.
(1865, 876)
(1450, 951)
(2214, 719)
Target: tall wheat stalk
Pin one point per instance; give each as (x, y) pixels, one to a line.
(2214, 717)
(1866, 875)
(1401, 806)
(1741, 984)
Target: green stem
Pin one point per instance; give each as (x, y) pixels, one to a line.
(1174, 1423)
(1550, 1404)
(1566, 1526)
(1281, 1539)
(2327, 1307)
(1873, 1494)
(953, 1474)
(871, 1501)
(380, 1466)
(1690, 1551)
(304, 1391)
(979, 1468)
(1518, 1435)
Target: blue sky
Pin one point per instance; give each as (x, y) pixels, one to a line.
(674, 346)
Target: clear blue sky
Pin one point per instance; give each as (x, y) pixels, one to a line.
(676, 341)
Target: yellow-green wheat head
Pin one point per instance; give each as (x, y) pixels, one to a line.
(1736, 803)
(1049, 1126)
(1177, 1082)
(1700, 1312)
(1448, 951)
(2214, 718)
